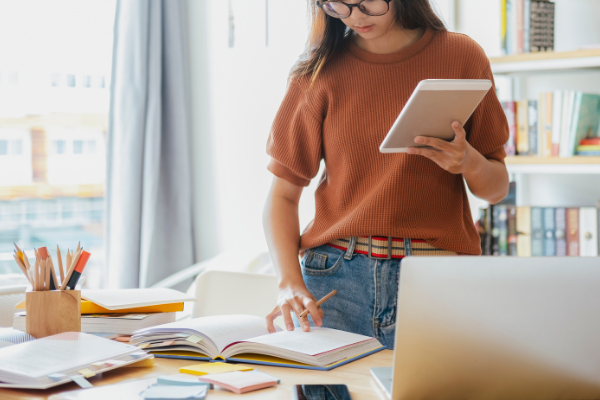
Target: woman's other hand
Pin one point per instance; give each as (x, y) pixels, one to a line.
(455, 156)
(295, 298)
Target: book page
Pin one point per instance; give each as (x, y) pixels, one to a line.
(58, 353)
(221, 329)
(317, 341)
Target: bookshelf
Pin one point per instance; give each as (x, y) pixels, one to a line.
(546, 61)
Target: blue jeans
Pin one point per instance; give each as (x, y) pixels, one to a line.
(367, 291)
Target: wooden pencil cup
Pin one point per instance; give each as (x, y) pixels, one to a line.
(53, 311)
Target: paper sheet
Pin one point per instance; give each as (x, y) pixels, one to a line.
(129, 298)
(212, 368)
(179, 392)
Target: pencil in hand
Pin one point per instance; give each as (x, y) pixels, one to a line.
(323, 300)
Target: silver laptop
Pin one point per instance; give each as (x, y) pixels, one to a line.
(496, 328)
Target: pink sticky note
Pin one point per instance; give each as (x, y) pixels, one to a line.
(167, 343)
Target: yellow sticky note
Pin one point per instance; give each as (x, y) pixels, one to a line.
(143, 345)
(212, 368)
(86, 372)
(194, 339)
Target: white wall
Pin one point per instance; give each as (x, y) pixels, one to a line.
(235, 95)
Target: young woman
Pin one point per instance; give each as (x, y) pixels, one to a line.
(364, 60)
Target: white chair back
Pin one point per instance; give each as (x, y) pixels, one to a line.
(227, 292)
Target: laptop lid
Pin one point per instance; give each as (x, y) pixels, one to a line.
(498, 327)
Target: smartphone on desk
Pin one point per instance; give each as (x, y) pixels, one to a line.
(320, 392)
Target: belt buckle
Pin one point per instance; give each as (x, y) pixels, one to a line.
(389, 248)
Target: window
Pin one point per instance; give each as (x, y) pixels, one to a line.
(55, 80)
(16, 147)
(77, 146)
(59, 146)
(71, 80)
(50, 196)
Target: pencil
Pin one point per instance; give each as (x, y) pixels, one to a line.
(36, 273)
(323, 300)
(23, 268)
(69, 259)
(71, 268)
(53, 281)
(60, 265)
(47, 268)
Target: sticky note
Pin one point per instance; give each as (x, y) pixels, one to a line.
(57, 376)
(194, 339)
(212, 368)
(115, 362)
(99, 364)
(180, 380)
(86, 372)
(81, 381)
(167, 343)
(143, 345)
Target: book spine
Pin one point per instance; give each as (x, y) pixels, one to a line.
(537, 232)
(510, 22)
(548, 119)
(526, 26)
(522, 127)
(533, 127)
(567, 117)
(557, 105)
(561, 231)
(549, 230)
(524, 231)
(511, 224)
(503, 44)
(488, 228)
(575, 118)
(520, 25)
(549, 31)
(510, 110)
(573, 232)
(495, 230)
(482, 229)
(541, 107)
(502, 231)
(588, 232)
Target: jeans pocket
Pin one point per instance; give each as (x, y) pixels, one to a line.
(322, 260)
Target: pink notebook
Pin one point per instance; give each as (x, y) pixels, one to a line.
(241, 382)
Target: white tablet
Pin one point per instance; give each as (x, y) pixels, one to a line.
(432, 108)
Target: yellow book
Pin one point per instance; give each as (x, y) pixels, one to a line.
(87, 307)
(522, 127)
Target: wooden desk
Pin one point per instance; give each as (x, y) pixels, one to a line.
(356, 375)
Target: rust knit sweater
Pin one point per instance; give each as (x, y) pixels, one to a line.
(344, 118)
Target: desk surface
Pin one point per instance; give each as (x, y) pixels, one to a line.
(356, 375)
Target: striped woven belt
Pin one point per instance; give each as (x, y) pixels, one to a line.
(379, 247)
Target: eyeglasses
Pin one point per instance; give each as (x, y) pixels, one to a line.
(341, 10)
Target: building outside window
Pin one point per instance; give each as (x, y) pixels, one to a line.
(53, 196)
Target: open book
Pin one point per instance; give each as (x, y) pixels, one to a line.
(245, 338)
(62, 358)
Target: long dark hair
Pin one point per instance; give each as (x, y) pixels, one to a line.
(327, 34)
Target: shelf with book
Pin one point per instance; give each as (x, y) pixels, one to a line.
(553, 165)
(546, 61)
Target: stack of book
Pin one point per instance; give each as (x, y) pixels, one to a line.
(555, 125)
(527, 26)
(508, 230)
(118, 313)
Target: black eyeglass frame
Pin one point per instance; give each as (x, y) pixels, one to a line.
(320, 4)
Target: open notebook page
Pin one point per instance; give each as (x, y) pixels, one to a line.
(317, 341)
(221, 329)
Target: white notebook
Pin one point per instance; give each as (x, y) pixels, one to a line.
(129, 298)
(62, 358)
(123, 324)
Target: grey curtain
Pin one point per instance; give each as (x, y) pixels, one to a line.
(149, 230)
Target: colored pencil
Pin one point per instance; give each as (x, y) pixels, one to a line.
(71, 269)
(60, 265)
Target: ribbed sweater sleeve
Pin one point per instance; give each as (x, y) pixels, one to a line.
(294, 143)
